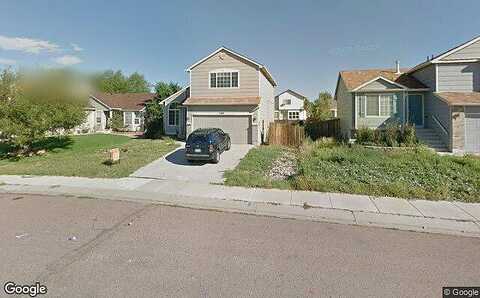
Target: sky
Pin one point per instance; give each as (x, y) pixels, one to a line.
(304, 44)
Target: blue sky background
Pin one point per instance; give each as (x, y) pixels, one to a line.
(303, 43)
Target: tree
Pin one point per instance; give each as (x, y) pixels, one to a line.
(43, 102)
(164, 89)
(320, 108)
(154, 110)
(136, 83)
(111, 82)
(8, 79)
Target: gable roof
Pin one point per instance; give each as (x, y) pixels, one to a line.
(442, 55)
(262, 67)
(172, 97)
(124, 101)
(292, 92)
(355, 79)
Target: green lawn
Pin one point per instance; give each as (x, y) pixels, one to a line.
(86, 156)
(398, 173)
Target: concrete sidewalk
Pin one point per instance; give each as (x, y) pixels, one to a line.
(413, 215)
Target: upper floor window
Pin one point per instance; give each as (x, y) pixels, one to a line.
(287, 101)
(224, 79)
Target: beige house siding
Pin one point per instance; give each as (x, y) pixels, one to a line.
(266, 107)
(248, 76)
(344, 108)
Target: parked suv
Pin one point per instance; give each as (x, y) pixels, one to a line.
(206, 144)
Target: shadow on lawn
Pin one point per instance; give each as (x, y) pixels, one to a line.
(50, 144)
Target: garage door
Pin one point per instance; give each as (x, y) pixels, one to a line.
(236, 126)
(472, 129)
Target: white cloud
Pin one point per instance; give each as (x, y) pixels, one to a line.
(27, 45)
(68, 60)
(7, 61)
(76, 47)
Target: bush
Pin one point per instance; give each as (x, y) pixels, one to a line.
(116, 122)
(154, 120)
(408, 137)
(45, 102)
(392, 136)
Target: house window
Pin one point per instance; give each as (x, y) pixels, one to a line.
(173, 114)
(224, 79)
(276, 115)
(138, 116)
(287, 101)
(372, 105)
(293, 115)
(383, 105)
(98, 117)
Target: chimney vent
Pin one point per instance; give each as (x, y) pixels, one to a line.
(397, 64)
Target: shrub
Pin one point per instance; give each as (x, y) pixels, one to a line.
(116, 122)
(366, 136)
(408, 136)
(154, 120)
(392, 136)
(45, 102)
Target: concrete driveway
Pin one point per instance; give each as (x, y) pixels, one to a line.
(174, 166)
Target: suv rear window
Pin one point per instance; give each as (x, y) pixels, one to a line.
(197, 138)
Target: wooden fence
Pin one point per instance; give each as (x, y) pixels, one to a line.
(319, 129)
(286, 134)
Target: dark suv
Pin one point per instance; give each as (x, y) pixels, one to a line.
(206, 144)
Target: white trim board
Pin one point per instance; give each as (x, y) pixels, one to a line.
(402, 87)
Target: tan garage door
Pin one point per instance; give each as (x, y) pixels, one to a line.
(238, 127)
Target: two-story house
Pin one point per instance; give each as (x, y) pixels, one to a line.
(227, 90)
(290, 105)
(440, 96)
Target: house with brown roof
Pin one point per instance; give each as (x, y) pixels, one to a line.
(227, 90)
(440, 96)
(102, 106)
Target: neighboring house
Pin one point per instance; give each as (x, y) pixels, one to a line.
(333, 109)
(290, 105)
(227, 90)
(441, 94)
(103, 105)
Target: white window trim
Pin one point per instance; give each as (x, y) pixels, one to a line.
(177, 110)
(378, 102)
(290, 118)
(216, 71)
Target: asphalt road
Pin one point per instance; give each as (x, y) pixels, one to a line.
(125, 249)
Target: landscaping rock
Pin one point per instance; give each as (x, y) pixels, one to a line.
(283, 167)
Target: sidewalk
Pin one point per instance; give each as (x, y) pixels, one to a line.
(413, 215)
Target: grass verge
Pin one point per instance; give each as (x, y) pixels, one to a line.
(417, 173)
(85, 156)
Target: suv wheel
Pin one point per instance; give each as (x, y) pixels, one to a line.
(216, 157)
(229, 145)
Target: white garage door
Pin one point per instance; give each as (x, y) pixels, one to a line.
(472, 129)
(238, 127)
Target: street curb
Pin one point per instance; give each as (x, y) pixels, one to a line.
(466, 228)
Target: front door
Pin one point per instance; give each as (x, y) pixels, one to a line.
(415, 109)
